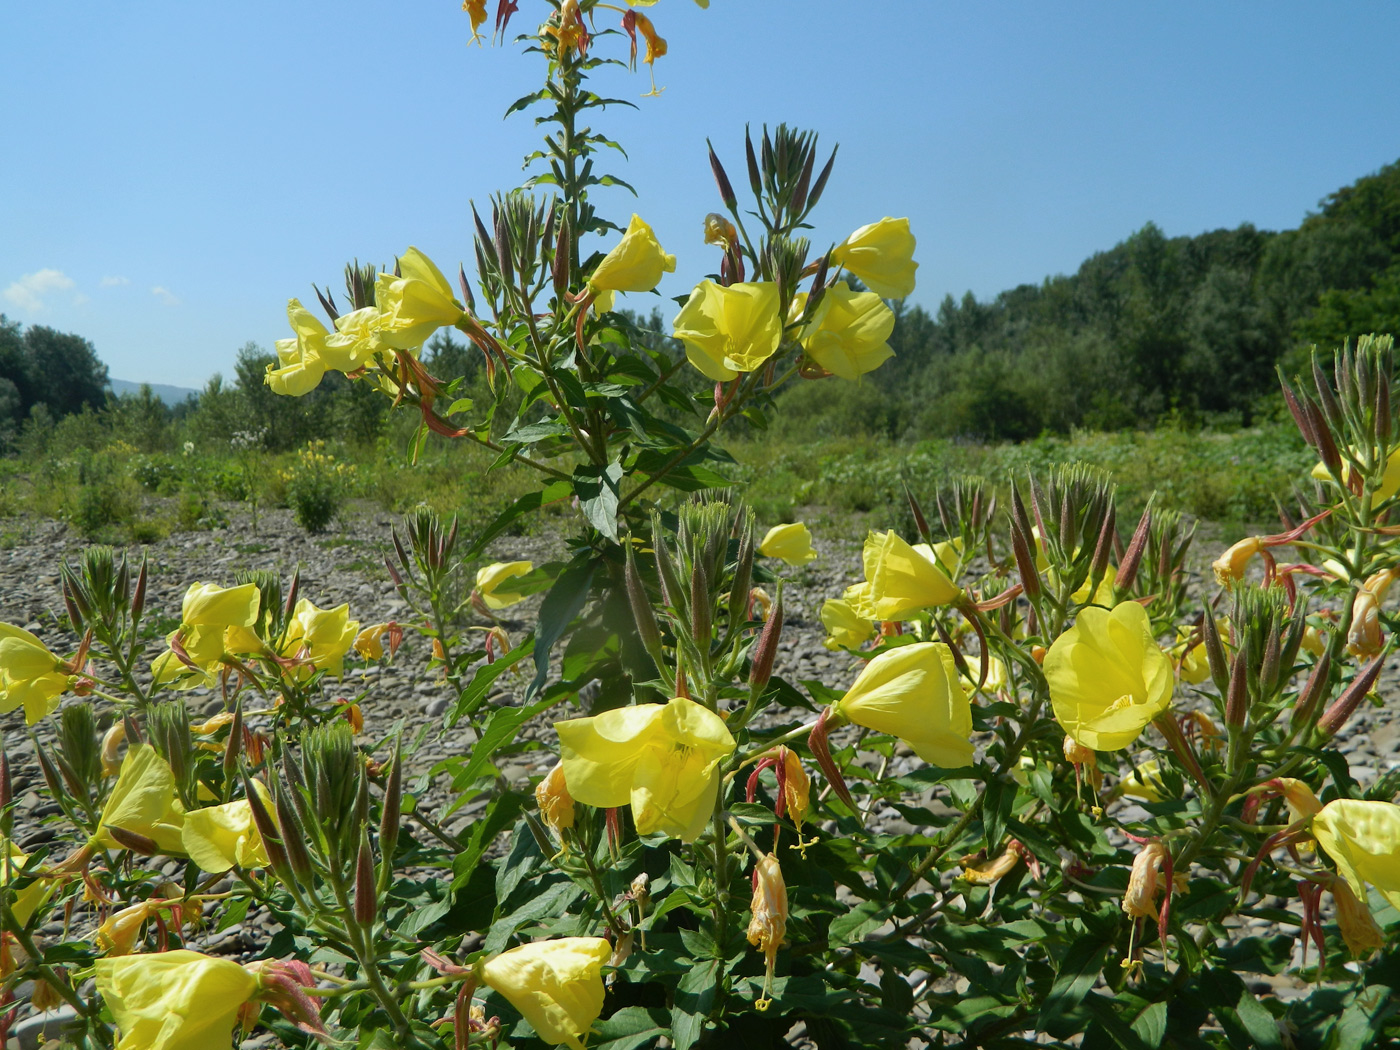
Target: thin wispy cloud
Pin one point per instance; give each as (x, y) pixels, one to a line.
(28, 292)
(113, 282)
(165, 295)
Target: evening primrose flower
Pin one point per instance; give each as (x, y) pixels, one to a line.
(205, 615)
(490, 580)
(1363, 839)
(299, 363)
(902, 579)
(555, 802)
(415, 304)
(1144, 782)
(845, 627)
(1140, 898)
(913, 692)
(143, 802)
(28, 900)
(1108, 678)
(556, 985)
(662, 759)
(790, 543)
(848, 337)
(323, 635)
(30, 676)
(354, 342)
(178, 1000)
(635, 264)
(218, 838)
(1229, 568)
(730, 330)
(882, 256)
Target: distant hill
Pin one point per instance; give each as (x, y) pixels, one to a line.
(171, 395)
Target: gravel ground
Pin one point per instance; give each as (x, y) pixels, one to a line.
(346, 566)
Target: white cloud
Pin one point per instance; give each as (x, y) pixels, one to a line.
(165, 295)
(27, 293)
(113, 282)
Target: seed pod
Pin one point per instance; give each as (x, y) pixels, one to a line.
(366, 897)
(133, 840)
(1313, 690)
(294, 838)
(138, 597)
(641, 607)
(820, 184)
(563, 258)
(392, 815)
(466, 287)
(700, 626)
(920, 522)
(766, 651)
(755, 179)
(1269, 665)
(1103, 550)
(1215, 652)
(235, 740)
(743, 579)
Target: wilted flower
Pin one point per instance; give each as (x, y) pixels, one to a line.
(556, 985)
(797, 785)
(555, 802)
(1140, 898)
(1358, 926)
(848, 336)
(415, 304)
(1364, 639)
(720, 231)
(490, 578)
(635, 264)
(1230, 566)
(730, 330)
(1108, 678)
(913, 692)
(662, 759)
(768, 923)
(178, 1000)
(845, 627)
(882, 256)
(791, 543)
(901, 579)
(30, 676)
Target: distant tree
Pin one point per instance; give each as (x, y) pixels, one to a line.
(64, 371)
(14, 362)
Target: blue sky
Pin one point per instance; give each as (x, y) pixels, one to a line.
(173, 172)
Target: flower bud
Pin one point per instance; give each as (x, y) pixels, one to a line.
(1132, 557)
(1336, 716)
(1313, 690)
(766, 651)
(366, 897)
(555, 802)
(1237, 695)
(641, 608)
(391, 815)
(1140, 898)
(268, 832)
(132, 840)
(768, 924)
(293, 836)
(700, 606)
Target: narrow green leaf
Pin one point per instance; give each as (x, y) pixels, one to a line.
(1081, 968)
(557, 611)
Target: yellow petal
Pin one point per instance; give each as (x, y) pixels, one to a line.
(178, 1000)
(218, 838)
(635, 264)
(1363, 838)
(882, 256)
(902, 580)
(490, 578)
(913, 692)
(791, 543)
(143, 800)
(730, 330)
(556, 985)
(848, 337)
(208, 605)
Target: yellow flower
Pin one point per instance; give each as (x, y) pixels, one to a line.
(489, 580)
(30, 676)
(848, 337)
(299, 364)
(882, 256)
(797, 785)
(635, 264)
(663, 759)
(143, 801)
(902, 580)
(1194, 664)
(325, 634)
(218, 838)
(790, 543)
(1108, 678)
(354, 342)
(28, 900)
(1230, 566)
(415, 304)
(178, 1000)
(996, 674)
(206, 614)
(730, 330)
(913, 692)
(1144, 782)
(1363, 839)
(845, 627)
(117, 936)
(768, 922)
(1390, 478)
(556, 985)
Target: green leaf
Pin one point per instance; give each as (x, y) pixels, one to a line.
(500, 728)
(597, 493)
(462, 404)
(557, 611)
(1151, 1024)
(1000, 799)
(630, 1028)
(527, 503)
(1081, 968)
(1112, 1025)
(470, 698)
(1244, 1018)
(233, 915)
(695, 995)
(853, 925)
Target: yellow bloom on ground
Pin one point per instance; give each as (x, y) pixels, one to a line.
(28, 900)
(882, 256)
(299, 363)
(143, 800)
(1363, 838)
(325, 634)
(415, 304)
(178, 1000)
(635, 264)
(790, 543)
(490, 578)
(913, 692)
(845, 627)
(730, 330)
(30, 676)
(662, 759)
(848, 337)
(1390, 478)
(903, 580)
(218, 838)
(556, 985)
(1108, 677)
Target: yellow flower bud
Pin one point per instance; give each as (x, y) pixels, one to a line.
(663, 759)
(635, 264)
(556, 985)
(30, 676)
(848, 336)
(1108, 678)
(882, 256)
(730, 330)
(913, 692)
(768, 924)
(1364, 639)
(117, 936)
(903, 580)
(555, 802)
(178, 1000)
(790, 543)
(112, 741)
(490, 578)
